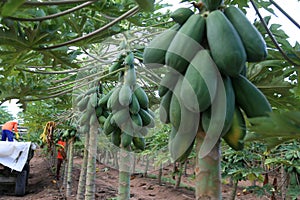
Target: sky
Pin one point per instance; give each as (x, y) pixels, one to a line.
(292, 7)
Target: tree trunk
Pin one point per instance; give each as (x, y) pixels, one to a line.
(160, 172)
(180, 170)
(82, 178)
(207, 171)
(70, 167)
(91, 166)
(124, 173)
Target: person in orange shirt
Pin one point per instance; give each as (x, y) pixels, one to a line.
(61, 156)
(7, 131)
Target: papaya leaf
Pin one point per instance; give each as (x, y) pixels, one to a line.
(10, 7)
(276, 129)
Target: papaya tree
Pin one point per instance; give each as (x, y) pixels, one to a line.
(209, 85)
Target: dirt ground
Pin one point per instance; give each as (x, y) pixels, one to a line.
(42, 186)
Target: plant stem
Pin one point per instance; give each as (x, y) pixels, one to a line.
(207, 171)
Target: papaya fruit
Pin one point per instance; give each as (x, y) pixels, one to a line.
(113, 102)
(212, 4)
(121, 116)
(217, 119)
(93, 100)
(126, 139)
(154, 53)
(200, 82)
(125, 95)
(101, 119)
(103, 100)
(225, 45)
(82, 104)
(184, 122)
(130, 76)
(129, 59)
(139, 143)
(181, 15)
(168, 82)
(141, 96)
(108, 127)
(99, 111)
(137, 122)
(84, 118)
(134, 106)
(146, 118)
(164, 108)
(252, 39)
(116, 137)
(186, 43)
(115, 66)
(237, 132)
(249, 98)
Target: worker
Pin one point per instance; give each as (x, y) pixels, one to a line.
(7, 131)
(61, 156)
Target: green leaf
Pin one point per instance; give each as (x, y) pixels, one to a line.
(11, 6)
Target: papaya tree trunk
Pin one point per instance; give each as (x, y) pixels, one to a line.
(83, 171)
(124, 173)
(70, 167)
(178, 180)
(207, 171)
(91, 166)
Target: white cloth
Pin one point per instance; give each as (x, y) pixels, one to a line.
(14, 154)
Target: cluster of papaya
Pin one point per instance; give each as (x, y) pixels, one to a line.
(205, 87)
(69, 134)
(128, 115)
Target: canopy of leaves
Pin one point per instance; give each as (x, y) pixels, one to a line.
(275, 129)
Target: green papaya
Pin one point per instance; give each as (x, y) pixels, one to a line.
(134, 106)
(108, 127)
(99, 111)
(139, 143)
(141, 96)
(115, 66)
(82, 104)
(253, 41)
(164, 107)
(168, 82)
(126, 139)
(155, 51)
(116, 137)
(113, 102)
(101, 119)
(212, 4)
(181, 15)
(146, 118)
(125, 95)
(137, 122)
(103, 100)
(225, 45)
(200, 82)
(130, 76)
(121, 116)
(186, 43)
(217, 119)
(250, 99)
(237, 132)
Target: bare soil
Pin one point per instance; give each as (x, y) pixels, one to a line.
(43, 186)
